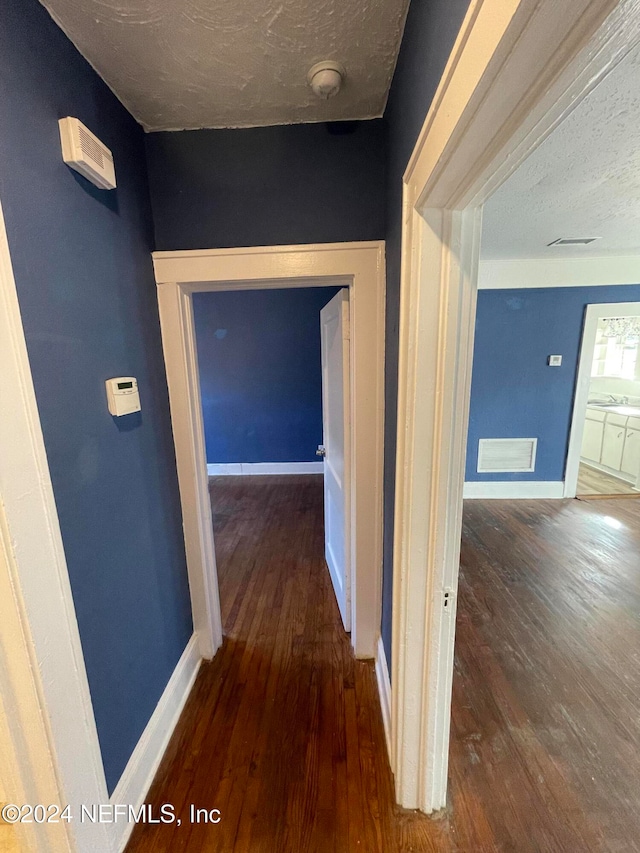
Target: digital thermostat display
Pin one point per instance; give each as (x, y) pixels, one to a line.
(122, 395)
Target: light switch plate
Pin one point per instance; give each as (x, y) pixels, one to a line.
(554, 360)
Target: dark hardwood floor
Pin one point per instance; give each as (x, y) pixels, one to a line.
(283, 732)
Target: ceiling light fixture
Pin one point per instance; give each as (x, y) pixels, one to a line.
(326, 78)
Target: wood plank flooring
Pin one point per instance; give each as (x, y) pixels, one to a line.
(592, 482)
(283, 731)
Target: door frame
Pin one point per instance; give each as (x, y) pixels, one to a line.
(592, 315)
(42, 670)
(361, 268)
(517, 69)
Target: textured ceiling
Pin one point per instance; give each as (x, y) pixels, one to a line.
(179, 64)
(583, 181)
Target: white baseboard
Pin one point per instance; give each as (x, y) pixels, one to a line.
(145, 759)
(384, 689)
(521, 489)
(239, 468)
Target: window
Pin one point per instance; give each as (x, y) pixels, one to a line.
(616, 349)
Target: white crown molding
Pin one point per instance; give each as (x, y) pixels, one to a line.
(520, 273)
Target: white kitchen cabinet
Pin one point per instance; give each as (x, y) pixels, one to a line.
(612, 445)
(631, 453)
(592, 440)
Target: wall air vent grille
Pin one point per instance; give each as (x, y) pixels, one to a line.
(86, 154)
(90, 148)
(573, 241)
(506, 455)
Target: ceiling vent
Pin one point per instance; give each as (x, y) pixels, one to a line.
(506, 455)
(573, 241)
(86, 154)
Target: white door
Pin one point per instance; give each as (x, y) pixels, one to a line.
(334, 326)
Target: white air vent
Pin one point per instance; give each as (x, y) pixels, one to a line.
(86, 154)
(573, 241)
(506, 455)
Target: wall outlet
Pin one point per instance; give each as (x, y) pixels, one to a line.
(554, 360)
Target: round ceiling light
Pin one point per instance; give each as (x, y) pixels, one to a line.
(326, 78)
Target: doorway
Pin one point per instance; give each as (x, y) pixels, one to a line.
(274, 383)
(516, 71)
(356, 266)
(603, 459)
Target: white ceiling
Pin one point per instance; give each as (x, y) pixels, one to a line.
(179, 64)
(583, 181)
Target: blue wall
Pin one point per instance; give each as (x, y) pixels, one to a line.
(87, 297)
(429, 34)
(514, 393)
(311, 183)
(260, 375)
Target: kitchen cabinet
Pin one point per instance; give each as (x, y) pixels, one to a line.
(592, 440)
(631, 453)
(611, 441)
(612, 445)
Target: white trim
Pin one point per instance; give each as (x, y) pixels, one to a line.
(27, 763)
(558, 272)
(517, 489)
(226, 469)
(384, 692)
(517, 69)
(41, 578)
(592, 315)
(359, 266)
(145, 758)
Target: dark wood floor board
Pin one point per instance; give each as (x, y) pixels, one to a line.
(283, 731)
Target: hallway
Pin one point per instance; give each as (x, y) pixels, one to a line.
(283, 732)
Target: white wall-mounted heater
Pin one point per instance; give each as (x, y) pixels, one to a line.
(86, 154)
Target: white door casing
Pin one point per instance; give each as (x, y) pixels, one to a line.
(358, 266)
(35, 573)
(517, 69)
(334, 336)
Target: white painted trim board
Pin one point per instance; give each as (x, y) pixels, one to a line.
(145, 758)
(384, 692)
(236, 469)
(527, 273)
(516, 489)
(517, 69)
(41, 578)
(361, 268)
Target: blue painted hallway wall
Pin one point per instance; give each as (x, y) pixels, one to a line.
(260, 373)
(263, 186)
(514, 393)
(87, 296)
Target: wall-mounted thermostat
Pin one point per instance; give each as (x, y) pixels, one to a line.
(122, 395)
(554, 361)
